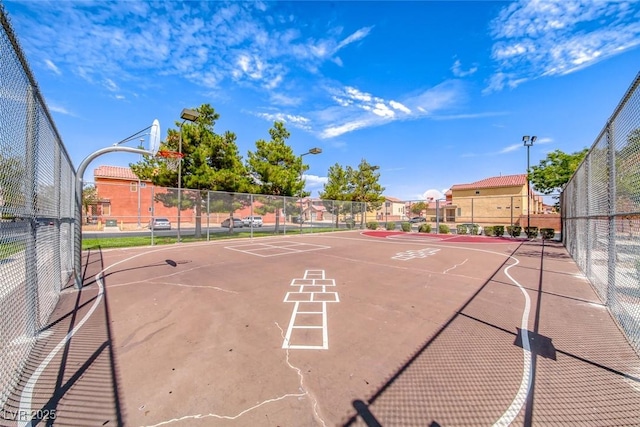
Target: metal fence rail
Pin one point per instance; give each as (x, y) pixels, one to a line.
(36, 207)
(134, 205)
(601, 214)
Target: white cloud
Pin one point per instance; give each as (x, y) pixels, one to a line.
(382, 110)
(360, 109)
(358, 35)
(399, 106)
(285, 100)
(299, 121)
(243, 41)
(58, 109)
(457, 70)
(110, 85)
(333, 131)
(510, 148)
(315, 180)
(51, 66)
(536, 38)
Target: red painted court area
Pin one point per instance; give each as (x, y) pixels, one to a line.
(442, 237)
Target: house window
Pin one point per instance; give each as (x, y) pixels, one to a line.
(106, 209)
(143, 184)
(499, 207)
(477, 191)
(133, 187)
(459, 211)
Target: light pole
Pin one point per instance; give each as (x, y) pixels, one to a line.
(528, 142)
(185, 115)
(314, 150)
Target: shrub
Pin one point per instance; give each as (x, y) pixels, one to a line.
(444, 229)
(350, 223)
(514, 230)
(373, 225)
(391, 225)
(461, 229)
(531, 232)
(488, 231)
(475, 230)
(498, 230)
(406, 226)
(547, 233)
(425, 228)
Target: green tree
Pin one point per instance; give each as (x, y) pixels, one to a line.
(365, 185)
(337, 188)
(628, 173)
(353, 185)
(211, 163)
(555, 170)
(277, 170)
(12, 186)
(89, 199)
(418, 207)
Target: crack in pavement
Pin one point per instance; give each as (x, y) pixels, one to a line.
(226, 417)
(456, 265)
(306, 392)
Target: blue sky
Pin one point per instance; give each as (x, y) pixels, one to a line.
(435, 93)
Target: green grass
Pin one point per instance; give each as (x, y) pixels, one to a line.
(10, 248)
(132, 241)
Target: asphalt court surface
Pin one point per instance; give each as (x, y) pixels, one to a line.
(355, 329)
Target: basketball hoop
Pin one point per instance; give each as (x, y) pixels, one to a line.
(171, 158)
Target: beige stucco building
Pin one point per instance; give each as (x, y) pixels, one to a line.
(494, 201)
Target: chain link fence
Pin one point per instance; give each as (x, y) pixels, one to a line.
(140, 206)
(601, 214)
(36, 207)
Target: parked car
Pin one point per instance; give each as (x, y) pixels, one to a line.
(470, 227)
(252, 221)
(297, 220)
(237, 223)
(417, 219)
(160, 224)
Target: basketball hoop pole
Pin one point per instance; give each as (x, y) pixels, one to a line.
(77, 269)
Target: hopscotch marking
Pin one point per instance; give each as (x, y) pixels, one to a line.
(312, 290)
(414, 253)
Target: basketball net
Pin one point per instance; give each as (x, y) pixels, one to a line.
(171, 159)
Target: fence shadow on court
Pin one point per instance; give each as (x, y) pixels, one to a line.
(451, 367)
(77, 378)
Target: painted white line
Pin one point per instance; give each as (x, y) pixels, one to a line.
(26, 397)
(286, 343)
(312, 289)
(325, 328)
(525, 385)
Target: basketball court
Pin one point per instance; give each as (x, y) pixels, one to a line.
(348, 328)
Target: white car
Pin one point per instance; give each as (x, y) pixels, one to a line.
(252, 221)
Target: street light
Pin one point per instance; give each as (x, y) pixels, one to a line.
(528, 142)
(314, 150)
(185, 115)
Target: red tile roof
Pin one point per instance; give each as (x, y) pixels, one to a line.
(494, 182)
(114, 172)
(393, 199)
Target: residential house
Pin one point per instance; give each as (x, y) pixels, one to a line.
(392, 209)
(496, 200)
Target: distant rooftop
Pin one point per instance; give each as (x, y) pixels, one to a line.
(114, 172)
(494, 182)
